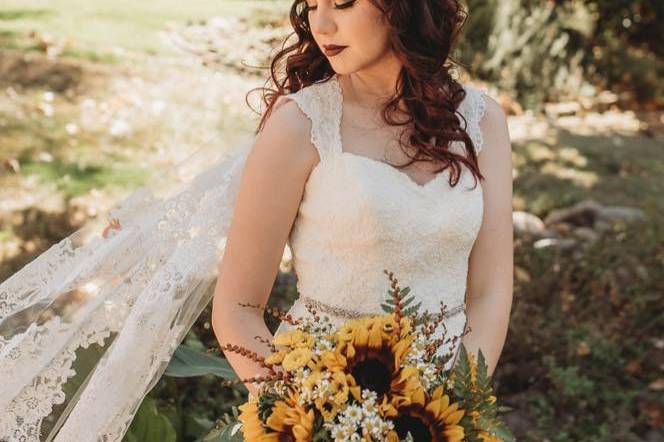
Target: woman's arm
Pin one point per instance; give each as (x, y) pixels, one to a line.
(271, 188)
(490, 267)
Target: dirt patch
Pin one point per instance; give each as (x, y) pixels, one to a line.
(33, 70)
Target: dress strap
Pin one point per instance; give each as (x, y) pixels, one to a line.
(320, 103)
(473, 108)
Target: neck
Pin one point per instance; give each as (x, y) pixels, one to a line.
(373, 85)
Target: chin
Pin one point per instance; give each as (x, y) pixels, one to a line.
(342, 70)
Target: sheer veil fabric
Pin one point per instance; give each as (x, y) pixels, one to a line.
(89, 326)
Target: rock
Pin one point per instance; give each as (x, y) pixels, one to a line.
(561, 243)
(527, 223)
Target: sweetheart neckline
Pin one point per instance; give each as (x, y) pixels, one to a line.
(395, 170)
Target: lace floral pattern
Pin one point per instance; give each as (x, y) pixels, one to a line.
(43, 273)
(22, 418)
(474, 108)
(318, 105)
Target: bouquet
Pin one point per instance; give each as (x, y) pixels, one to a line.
(374, 378)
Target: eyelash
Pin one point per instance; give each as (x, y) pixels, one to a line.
(308, 8)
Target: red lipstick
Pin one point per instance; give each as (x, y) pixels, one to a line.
(332, 50)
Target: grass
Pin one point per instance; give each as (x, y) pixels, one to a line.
(74, 179)
(612, 169)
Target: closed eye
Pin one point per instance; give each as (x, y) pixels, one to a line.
(308, 8)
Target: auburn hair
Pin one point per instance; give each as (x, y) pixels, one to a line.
(422, 36)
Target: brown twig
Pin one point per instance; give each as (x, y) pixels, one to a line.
(274, 311)
(250, 355)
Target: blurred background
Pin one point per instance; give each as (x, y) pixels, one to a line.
(96, 98)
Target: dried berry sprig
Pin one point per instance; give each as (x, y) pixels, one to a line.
(395, 291)
(313, 312)
(280, 376)
(249, 354)
(266, 342)
(274, 311)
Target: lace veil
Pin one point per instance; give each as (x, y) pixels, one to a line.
(89, 326)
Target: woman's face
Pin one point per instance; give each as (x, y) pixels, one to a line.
(356, 24)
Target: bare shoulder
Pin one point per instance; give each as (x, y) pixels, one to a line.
(494, 113)
(495, 160)
(494, 128)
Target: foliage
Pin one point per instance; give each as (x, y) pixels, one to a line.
(188, 362)
(150, 424)
(475, 392)
(582, 346)
(551, 50)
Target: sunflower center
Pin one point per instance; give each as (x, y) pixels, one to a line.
(373, 375)
(418, 429)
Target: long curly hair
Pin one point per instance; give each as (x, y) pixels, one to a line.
(423, 34)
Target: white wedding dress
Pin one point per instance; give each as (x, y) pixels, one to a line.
(359, 216)
(135, 292)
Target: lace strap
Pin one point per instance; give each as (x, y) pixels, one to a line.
(473, 109)
(318, 102)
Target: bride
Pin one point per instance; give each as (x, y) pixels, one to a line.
(369, 156)
(321, 177)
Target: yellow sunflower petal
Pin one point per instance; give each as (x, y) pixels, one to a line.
(419, 396)
(392, 436)
(437, 406)
(454, 433)
(375, 341)
(276, 421)
(361, 337)
(438, 392)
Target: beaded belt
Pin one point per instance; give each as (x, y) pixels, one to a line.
(351, 314)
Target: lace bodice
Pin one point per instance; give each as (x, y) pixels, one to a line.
(359, 216)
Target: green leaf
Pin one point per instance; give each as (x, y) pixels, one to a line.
(196, 426)
(230, 432)
(188, 362)
(149, 425)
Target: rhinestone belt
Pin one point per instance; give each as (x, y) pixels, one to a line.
(351, 314)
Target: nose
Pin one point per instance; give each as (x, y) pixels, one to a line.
(322, 21)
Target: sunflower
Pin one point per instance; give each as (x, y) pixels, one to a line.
(429, 419)
(290, 421)
(407, 387)
(252, 427)
(373, 351)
